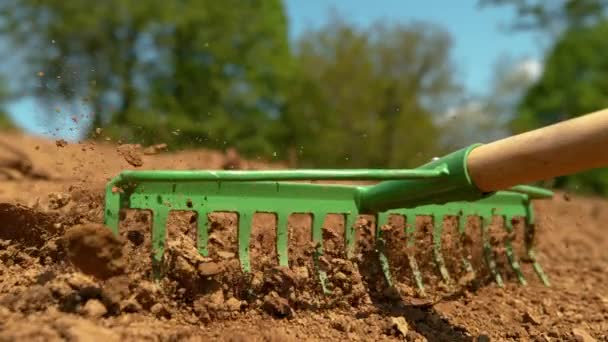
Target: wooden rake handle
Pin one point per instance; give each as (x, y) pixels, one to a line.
(564, 148)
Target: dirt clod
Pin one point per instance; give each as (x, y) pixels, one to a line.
(95, 250)
(397, 326)
(277, 306)
(582, 335)
(94, 309)
(131, 153)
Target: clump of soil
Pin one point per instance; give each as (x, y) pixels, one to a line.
(131, 153)
(95, 250)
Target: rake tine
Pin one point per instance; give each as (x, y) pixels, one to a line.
(510, 253)
(244, 236)
(487, 249)
(349, 234)
(411, 242)
(462, 224)
(530, 230)
(529, 234)
(380, 247)
(317, 238)
(282, 238)
(159, 222)
(112, 209)
(439, 261)
(202, 233)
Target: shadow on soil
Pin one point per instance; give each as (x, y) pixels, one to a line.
(422, 317)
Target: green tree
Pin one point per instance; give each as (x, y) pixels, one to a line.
(5, 121)
(552, 16)
(574, 82)
(367, 98)
(226, 73)
(211, 69)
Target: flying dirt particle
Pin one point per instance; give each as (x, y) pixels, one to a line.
(232, 160)
(98, 131)
(95, 250)
(155, 149)
(61, 143)
(116, 189)
(131, 153)
(40, 73)
(566, 197)
(58, 200)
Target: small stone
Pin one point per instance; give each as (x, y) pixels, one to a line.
(58, 200)
(301, 273)
(483, 338)
(397, 326)
(130, 305)
(61, 143)
(155, 149)
(341, 277)
(84, 330)
(160, 310)
(94, 309)
(147, 294)
(233, 304)
(339, 325)
(277, 306)
(581, 335)
(136, 237)
(531, 318)
(226, 255)
(209, 269)
(131, 154)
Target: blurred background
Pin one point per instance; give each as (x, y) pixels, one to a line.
(312, 83)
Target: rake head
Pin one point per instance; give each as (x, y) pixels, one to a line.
(439, 191)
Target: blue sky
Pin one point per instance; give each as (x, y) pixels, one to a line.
(477, 37)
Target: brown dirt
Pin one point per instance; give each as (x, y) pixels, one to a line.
(64, 277)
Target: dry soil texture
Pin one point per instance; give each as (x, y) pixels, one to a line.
(65, 277)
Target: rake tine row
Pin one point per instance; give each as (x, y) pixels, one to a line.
(159, 220)
(205, 197)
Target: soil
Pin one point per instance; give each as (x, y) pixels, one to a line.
(66, 277)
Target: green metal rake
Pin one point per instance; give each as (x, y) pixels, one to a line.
(480, 180)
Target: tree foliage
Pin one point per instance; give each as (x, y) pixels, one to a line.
(574, 82)
(553, 16)
(5, 121)
(221, 74)
(367, 98)
(150, 68)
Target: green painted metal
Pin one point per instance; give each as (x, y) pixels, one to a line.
(437, 189)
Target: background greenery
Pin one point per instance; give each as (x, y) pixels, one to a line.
(222, 74)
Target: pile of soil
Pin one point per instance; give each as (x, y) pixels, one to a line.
(65, 276)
